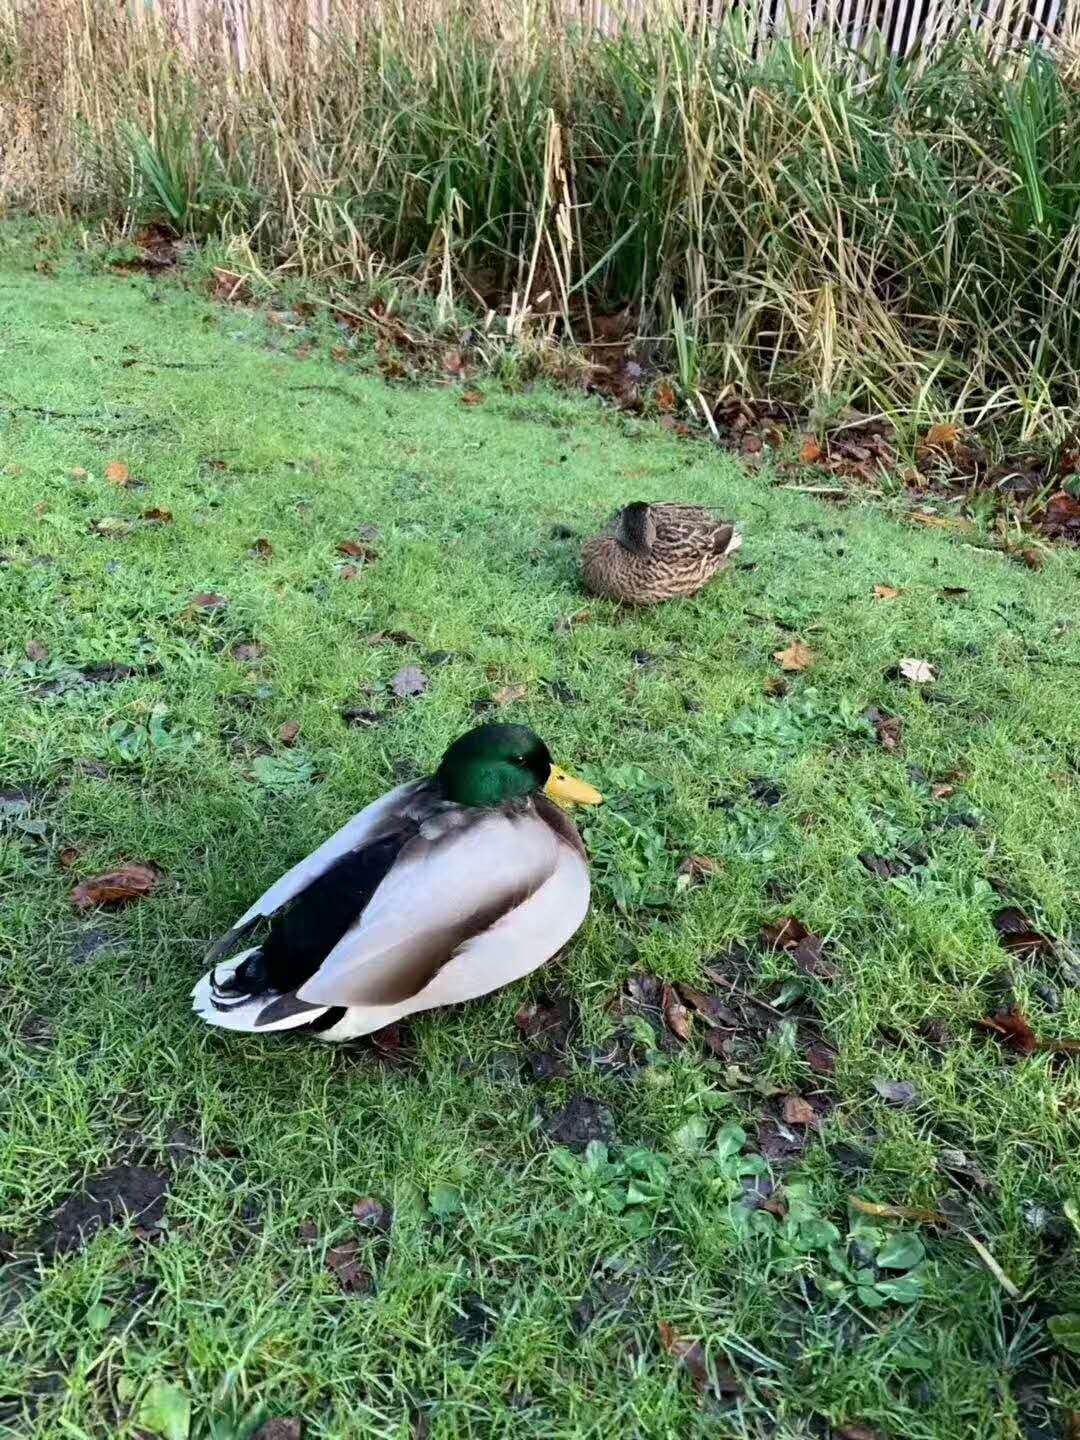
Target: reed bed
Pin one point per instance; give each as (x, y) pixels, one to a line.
(788, 214)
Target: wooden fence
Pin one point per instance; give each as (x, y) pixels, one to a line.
(903, 25)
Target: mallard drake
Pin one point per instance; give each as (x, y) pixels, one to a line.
(651, 553)
(440, 891)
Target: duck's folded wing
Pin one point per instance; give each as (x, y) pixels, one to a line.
(476, 900)
(382, 815)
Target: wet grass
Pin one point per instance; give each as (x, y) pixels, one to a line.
(518, 1291)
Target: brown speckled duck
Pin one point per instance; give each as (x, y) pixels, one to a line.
(651, 553)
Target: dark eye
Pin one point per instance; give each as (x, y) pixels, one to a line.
(517, 759)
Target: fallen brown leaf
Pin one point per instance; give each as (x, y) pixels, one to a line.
(357, 550)
(942, 792)
(1032, 558)
(471, 397)
(342, 1261)
(821, 1059)
(678, 1017)
(665, 396)
(917, 671)
(798, 1111)
(207, 601)
(36, 652)
(1019, 936)
(158, 515)
(695, 869)
(810, 452)
(796, 657)
(69, 856)
(942, 437)
(117, 887)
(288, 732)
(409, 681)
(1062, 511)
(888, 728)
(349, 572)
(372, 1214)
(509, 694)
(78, 473)
(262, 549)
(1013, 1030)
(690, 1354)
(711, 1009)
(118, 473)
(886, 592)
(897, 1092)
(804, 947)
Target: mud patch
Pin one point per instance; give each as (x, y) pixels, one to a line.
(125, 1192)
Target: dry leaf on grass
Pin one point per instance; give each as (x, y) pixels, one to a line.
(798, 1111)
(821, 1059)
(1019, 936)
(942, 437)
(262, 549)
(796, 657)
(409, 681)
(288, 732)
(342, 1261)
(695, 870)
(357, 550)
(810, 452)
(158, 515)
(472, 397)
(678, 1017)
(118, 473)
(690, 1354)
(666, 397)
(897, 1092)
(36, 652)
(509, 694)
(117, 887)
(886, 592)
(1013, 1030)
(804, 947)
(888, 728)
(917, 671)
(372, 1214)
(207, 601)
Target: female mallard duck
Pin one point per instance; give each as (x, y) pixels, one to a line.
(651, 553)
(442, 890)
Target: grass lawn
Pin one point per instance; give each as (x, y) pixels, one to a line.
(512, 1282)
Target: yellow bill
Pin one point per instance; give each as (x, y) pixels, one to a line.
(569, 790)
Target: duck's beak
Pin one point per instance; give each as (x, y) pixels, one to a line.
(567, 789)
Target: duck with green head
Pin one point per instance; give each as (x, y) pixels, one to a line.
(441, 891)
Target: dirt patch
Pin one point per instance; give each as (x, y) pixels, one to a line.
(134, 1192)
(580, 1121)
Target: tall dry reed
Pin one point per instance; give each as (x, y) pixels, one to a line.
(786, 214)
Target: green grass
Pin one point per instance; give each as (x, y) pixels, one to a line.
(103, 1060)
